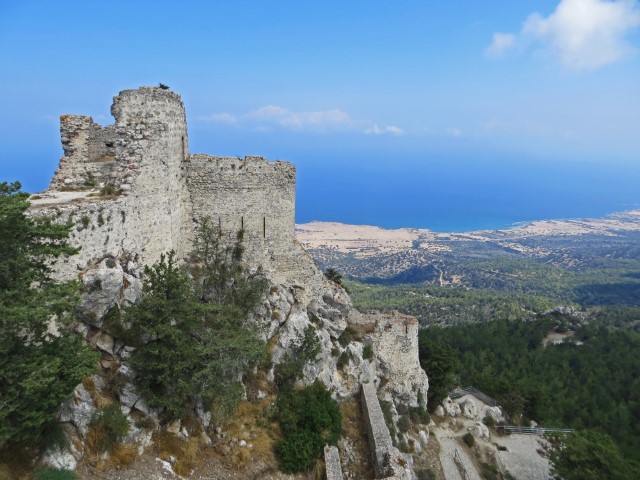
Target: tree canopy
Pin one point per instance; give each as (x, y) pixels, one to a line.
(194, 339)
(589, 455)
(38, 367)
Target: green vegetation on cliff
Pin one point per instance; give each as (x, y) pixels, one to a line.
(38, 367)
(192, 331)
(591, 381)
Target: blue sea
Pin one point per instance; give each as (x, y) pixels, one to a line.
(440, 191)
(460, 194)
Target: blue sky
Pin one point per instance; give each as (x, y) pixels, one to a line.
(363, 85)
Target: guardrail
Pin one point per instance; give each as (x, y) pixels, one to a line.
(532, 430)
(459, 392)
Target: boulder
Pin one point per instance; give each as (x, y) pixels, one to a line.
(480, 430)
(493, 412)
(468, 408)
(78, 410)
(103, 287)
(128, 395)
(450, 407)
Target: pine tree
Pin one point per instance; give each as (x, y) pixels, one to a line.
(38, 368)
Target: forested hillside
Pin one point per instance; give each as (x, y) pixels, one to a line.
(590, 381)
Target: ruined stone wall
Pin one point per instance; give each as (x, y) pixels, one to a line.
(333, 469)
(144, 149)
(395, 344)
(89, 153)
(248, 193)
(259, 197)
(379, 437)
(388, 461)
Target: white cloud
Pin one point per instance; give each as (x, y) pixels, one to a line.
(581, 34)
(273, 116)
(223, 117)
(454, 132)
(319, 120)
(502, 43)
(269, 116)
(388, 130)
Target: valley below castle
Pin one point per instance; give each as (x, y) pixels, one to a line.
(566, 259)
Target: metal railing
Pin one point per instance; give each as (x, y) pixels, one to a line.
(460, 392)
(532, 430)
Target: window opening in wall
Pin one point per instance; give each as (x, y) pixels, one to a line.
(264, 227)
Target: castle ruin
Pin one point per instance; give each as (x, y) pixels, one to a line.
(154, 192)
(134, 192)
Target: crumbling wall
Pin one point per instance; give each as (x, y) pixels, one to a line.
(89, 153)
(395, 346)
(140, 155)
(388, 461)
(333, 469)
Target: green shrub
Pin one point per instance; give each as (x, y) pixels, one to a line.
(109, 426)
(489, 421)
(343, 361)
(419, 415)
(404, 424)
(403, 447)
(385, 406)
(488, 471)
(109, 189)
(53, 474)
(346, 337)
(90, 181)
(309, 419)
(85, 220)
(468, 439)
(305, 350)
(367, 352)
(145, 423)
(426, 474)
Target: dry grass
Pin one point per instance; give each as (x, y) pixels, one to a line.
(123, 455)
(186, 451)
(258, 381)
(272, 342)
(252, 424)
(355, 432)
(191, 422)
(94, 438)
(319, 470)
(15, 463)
(98, 398)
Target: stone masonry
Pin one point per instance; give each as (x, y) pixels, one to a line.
(388, 461)
(156, 192)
